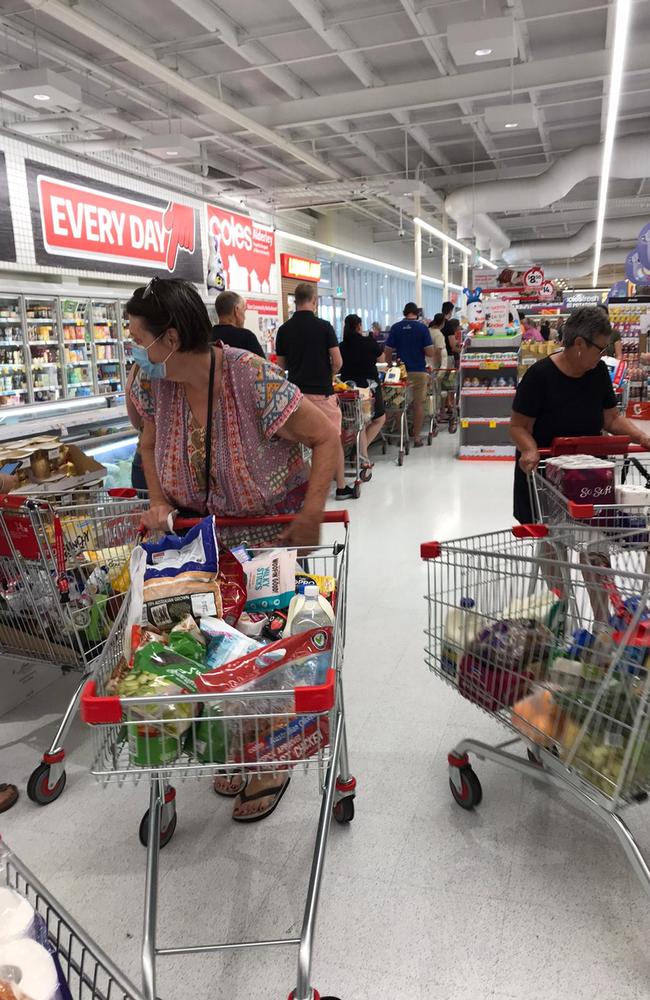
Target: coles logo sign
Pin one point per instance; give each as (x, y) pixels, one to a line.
(96, 227)
(241, 253)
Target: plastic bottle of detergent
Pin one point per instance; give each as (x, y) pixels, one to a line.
(461, 627)
(314, 611)
(295, 605)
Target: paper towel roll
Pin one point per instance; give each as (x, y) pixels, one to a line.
(27, 965)
(16, 916)
(633, 494)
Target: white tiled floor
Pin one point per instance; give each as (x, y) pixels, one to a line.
(524, 898)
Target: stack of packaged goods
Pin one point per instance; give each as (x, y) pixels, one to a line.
(216, 624)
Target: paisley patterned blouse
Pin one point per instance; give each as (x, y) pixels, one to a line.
(253, 472)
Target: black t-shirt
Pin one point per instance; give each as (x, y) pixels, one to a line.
(236, 336)
(562, 407)
(304, 341)
(448, 329)
(360, 359)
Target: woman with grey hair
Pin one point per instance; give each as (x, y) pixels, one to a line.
(568, 394)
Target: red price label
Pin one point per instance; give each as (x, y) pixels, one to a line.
(534, 278)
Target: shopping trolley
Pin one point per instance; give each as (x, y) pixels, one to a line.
(356, 412)
(397, 399)
(555, 650)
(433, 403)
(63, 573)
(89, 973)
(308, 727)
(619, 506)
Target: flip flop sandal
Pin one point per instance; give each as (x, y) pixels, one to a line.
(232, 794)
(274, 793)
(8, 797)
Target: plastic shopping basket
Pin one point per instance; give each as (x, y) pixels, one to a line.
(239, 732)
(556, 650)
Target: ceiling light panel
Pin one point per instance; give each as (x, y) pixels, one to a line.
(508, 117)
(171, 147)
(490, 40)
(41, 88)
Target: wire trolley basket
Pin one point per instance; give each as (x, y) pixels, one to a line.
(356, 411)
(555, 647)
(237, 732)
(397, 399)
(88, 972)
(63, 575)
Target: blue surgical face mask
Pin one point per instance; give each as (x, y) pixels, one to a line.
(150, 368)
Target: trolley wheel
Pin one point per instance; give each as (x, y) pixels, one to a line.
(365, 475)
(430, 437)
(356, 490)
(165, 835)
(453, 425)
(400, 458)
(407, 447)
(344, 810)
(37, 786)
(470, 793)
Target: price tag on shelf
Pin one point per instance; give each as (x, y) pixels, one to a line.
(490, 364)
(464, 424)
(492, 424)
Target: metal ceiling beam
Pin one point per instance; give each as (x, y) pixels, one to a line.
(131, 54)
(543, 74)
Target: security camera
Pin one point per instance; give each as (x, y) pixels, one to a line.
(430, 251)
(401, 234)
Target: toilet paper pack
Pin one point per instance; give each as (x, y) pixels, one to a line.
(30, 968)
(16, 916)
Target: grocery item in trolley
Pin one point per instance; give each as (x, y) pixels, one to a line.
(270, 579)
(585, 479)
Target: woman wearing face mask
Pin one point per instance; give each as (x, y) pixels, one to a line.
(221, 434)
(249, 464)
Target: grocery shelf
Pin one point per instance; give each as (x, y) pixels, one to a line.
(76, 385)
(43, 343)
(496, 391)
(43, 322)
(490, 365)
(111, 340)
(82, 341)
(78, 364)
(10, 319)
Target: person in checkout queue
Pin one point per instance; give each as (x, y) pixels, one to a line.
(221, 434)
(306, 346)
(411, 341)
(230, 329)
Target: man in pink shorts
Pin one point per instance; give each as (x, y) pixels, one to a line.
(307, 348)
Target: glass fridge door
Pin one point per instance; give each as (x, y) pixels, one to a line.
(14, 370)
(106, 343)
(45, 348)
(78, 358)
(126, 342)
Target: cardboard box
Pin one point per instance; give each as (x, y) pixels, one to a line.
(21, 680)
(89, 472)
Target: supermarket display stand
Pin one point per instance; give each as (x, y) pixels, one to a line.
(631, 318)
(485, 407)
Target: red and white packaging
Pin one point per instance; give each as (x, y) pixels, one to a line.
(583, 479)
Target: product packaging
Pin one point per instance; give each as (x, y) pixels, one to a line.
(501, 662)
(225, 643)
(270, 580)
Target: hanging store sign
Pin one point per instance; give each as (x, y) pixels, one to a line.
(300, 268)
(86, 225)
(265, 307)
(242, 253)
(7, 241)
(573, 300)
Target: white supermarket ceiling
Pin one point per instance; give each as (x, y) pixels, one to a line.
(302, 108)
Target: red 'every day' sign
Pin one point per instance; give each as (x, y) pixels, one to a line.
(79, 221)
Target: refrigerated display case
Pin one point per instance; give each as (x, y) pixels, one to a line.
(14, 367)
(106, 330)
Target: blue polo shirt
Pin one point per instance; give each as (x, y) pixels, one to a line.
(408, 338)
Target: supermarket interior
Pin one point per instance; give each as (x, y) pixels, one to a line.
(290, 293)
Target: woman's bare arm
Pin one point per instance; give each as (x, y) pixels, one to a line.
(521, 434)
(308, 426)
(616, 423)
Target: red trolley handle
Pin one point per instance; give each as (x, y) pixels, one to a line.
(598, 444)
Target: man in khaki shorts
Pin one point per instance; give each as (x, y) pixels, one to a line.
(307, 348)
(411, 341)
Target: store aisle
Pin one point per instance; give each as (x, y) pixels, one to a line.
(524, 897)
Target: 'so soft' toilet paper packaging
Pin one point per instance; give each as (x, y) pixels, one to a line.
(29, 969)
(16, 916)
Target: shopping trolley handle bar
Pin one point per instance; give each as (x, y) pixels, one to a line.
(328, 517)
(433, 550)
(596, 444)
(309, 699)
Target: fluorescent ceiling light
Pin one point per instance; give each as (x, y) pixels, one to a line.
(482, 52)
(621, 28)
(487, 39)
(42, 97)
(502, 117)
(125, 442)
(442, 236)
(511, 125)
(381, 264)
(488, 263)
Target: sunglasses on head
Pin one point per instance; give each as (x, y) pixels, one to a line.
(150, 290)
